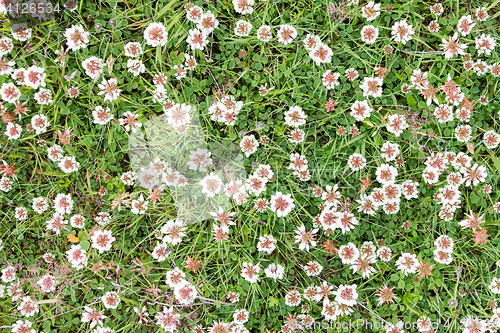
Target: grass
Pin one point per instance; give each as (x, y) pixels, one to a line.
(239, 66)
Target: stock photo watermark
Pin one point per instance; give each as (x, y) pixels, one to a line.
(369, 325)
(172, 152)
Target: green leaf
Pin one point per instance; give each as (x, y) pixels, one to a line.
(164, 9)
(246, 230)
(48, 301)
(411, 101)
(278, 130)
(129, 301)
(83, 235)
(474, 198)
(495, 160)
(85, 245)
(272, 301)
